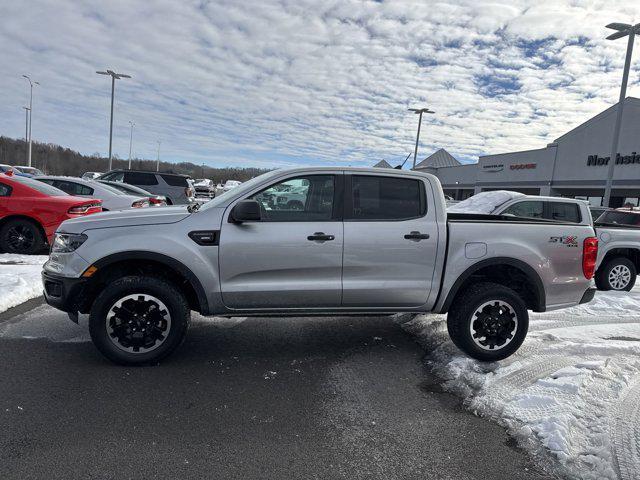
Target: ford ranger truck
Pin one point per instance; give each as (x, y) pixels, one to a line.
(365, 241)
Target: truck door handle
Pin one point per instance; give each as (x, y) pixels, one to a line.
(320, 237)
(416, 236)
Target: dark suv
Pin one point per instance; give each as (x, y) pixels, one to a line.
(176, 188)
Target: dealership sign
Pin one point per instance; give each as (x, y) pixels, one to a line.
(523, 166)
(595, 160)
(496, 167)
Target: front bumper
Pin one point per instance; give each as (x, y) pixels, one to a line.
(63, 293)
(588, 295)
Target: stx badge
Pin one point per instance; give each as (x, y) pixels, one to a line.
(569, 240)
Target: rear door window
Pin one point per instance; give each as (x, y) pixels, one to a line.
(564, 212)
(374, 197)
(113, 176)
(526, 209)
(72, 188)
(140, 178)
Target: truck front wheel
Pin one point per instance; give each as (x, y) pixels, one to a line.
(619, 273)
(139, 320)
(488, 321)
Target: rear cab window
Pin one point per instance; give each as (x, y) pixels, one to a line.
(379, 198)
(614, 217)
(175, 180)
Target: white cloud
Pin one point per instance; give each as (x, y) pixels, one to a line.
(280, 82)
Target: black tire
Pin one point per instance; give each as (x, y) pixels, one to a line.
(21, 236)
(502, 304)
(140, 311)
(623, 281)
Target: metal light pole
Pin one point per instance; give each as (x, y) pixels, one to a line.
(31, 84)
(114, 76)
(130, 141)
(623, 30)
(158, 160)
(419, 111)
(26, 124)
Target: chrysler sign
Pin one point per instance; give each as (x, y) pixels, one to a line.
(595, 160)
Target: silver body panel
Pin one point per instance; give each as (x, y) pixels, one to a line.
(273, 268)
(612, 238)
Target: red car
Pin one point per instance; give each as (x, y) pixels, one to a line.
(31, 211)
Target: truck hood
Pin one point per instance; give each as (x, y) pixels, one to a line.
(125, 218)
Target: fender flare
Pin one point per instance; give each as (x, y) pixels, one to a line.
(166, 260)
(531, 274)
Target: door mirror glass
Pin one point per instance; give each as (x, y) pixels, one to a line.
(245, 211)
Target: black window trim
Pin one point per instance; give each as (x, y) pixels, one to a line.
(338, 195)
(348, 199)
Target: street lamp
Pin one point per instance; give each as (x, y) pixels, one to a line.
(158, 159)
(114, 76)
(623, 30)
(419, 111)
(31, 84)
(131, 141)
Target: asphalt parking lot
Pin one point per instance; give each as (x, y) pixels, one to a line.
(256, 398)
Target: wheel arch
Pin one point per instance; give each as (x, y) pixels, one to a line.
(35, 221)
(509, 272)
(123, 263)
(631, 253)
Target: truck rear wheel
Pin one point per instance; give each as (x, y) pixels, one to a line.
(139, 320)
(488, 321)
(618, 273)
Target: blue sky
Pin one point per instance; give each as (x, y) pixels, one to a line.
(276, 83)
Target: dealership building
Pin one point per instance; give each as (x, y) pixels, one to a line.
(574, 165)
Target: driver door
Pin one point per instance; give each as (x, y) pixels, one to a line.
(292, 257)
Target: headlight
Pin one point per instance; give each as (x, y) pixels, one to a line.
(67, 242)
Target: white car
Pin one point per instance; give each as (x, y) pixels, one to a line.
(91, 175)
(28, 170)
(228, 185)
(112, 198)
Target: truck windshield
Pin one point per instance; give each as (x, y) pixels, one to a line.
(620, 218)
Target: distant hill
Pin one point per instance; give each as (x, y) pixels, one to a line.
(56, 160)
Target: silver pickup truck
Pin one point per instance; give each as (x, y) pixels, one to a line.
(618, 231)
(366, 241)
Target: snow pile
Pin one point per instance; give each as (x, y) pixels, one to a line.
(570, 395)
(19, 278)
(484, 202)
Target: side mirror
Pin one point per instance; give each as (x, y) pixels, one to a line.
(245, 211)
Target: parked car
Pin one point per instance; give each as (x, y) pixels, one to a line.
(174, 187)
(112, 198)
(228, 185)
(31, 211)
(154, 200)
(91, 175)
(8, 168)
(368, 241)
(205, 188)
(28, 170)
(5, 168)
(618, 230)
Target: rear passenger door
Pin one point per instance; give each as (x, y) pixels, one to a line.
(390, 241)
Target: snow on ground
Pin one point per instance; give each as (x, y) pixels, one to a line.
(570, 395)
(19, 278)
(484, 202)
